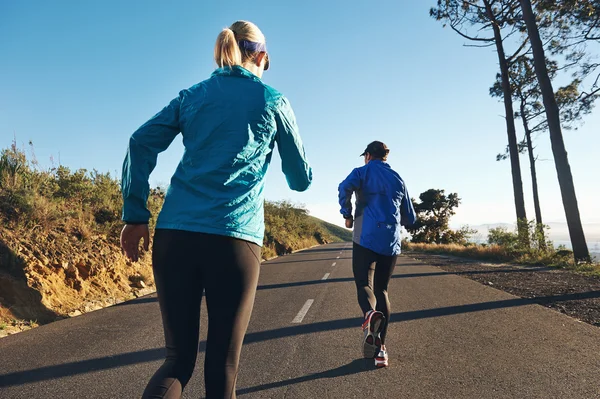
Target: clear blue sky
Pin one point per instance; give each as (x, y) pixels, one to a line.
(78, 77)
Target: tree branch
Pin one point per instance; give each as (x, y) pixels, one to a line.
(516, 53)
(476, 39)
(480, 45)
(585, 96)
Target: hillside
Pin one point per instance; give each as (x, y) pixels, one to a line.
(337, 233)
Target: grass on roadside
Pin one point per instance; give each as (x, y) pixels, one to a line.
(496, 253)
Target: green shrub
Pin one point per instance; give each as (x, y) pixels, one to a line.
(504, 238)
(13, 165)
(16, 205)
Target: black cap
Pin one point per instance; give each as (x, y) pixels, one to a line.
(377, 150)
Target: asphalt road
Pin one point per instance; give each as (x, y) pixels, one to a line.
(450, 337)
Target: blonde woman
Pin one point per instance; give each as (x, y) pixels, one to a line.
(210, 230)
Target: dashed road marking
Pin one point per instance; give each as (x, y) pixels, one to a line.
(334, 263)
(300, 316)
(326, 276)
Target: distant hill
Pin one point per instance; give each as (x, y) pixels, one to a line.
(337, 233)
(557, 232)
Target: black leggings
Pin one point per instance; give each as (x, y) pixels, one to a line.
(186, 263)
(372, 274)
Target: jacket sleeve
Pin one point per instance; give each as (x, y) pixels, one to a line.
(152, 138)
(346, 188)
(408, 217)
(293, 159)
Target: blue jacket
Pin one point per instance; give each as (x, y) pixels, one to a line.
(382, 206)
(230, 124)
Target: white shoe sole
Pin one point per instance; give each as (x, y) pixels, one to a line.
(375, 327)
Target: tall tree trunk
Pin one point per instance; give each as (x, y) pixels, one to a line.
(536, 197)
(563, 169)
(510, 128)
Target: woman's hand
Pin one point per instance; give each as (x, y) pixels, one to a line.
(130, 240)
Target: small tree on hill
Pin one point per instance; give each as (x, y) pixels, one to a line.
(433, 215)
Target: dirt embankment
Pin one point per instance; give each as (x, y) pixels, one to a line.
(49, 276)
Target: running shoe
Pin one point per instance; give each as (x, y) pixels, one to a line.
(381, 359)
(372, 327)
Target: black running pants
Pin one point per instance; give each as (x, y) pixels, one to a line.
(372, 274)
(186, 263)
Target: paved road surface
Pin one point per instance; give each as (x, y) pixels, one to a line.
(450, 337)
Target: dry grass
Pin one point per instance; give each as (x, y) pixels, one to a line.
(496, 253)
(269, 251)
(489, 252)
(45, 213)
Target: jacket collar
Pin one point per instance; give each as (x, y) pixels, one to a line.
(378, 161)
(235, 71)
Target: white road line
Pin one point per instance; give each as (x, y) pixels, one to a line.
(334, 263)
(325, 276)
(338, 257)
(303, 311)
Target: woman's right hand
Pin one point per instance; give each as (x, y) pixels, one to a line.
(130, 240)
(349, 223)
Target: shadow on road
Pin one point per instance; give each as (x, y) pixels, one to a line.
(341, 280)
(395, 276)
(319, 249)
(109, 362)
(278, 261)
(80, 367)
(139, 301)
(355, 367)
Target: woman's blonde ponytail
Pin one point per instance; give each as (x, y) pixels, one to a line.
(227, 50)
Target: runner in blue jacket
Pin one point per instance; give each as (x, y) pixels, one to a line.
(383, 206)
(210, 230)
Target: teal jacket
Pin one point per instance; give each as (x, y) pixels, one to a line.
(230, 124)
